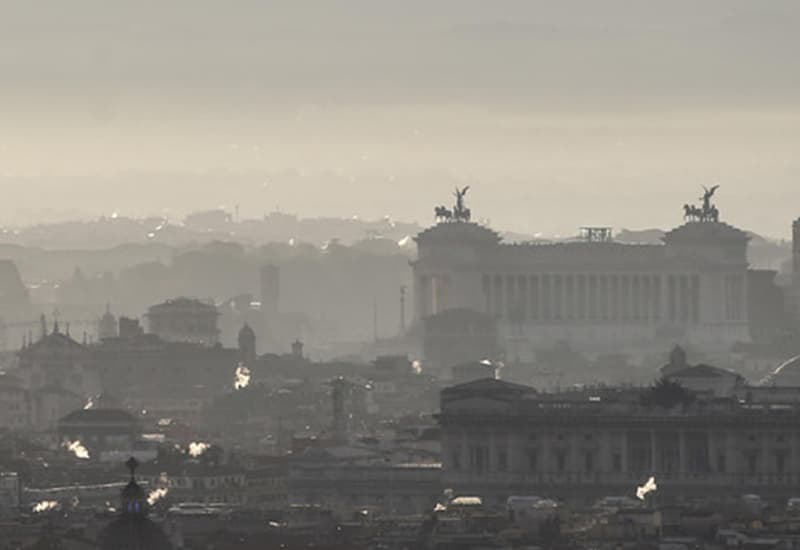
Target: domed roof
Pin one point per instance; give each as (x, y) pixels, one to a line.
(701, 232)
(133, 498)
(133, 532)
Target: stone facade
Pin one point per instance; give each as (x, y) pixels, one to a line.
(595, 294)
(184, 320)
(502, 439)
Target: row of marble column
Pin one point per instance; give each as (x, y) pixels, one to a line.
(641, 452)
(552, 297)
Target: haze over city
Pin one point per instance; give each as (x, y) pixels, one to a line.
(606, 112)
(399, 275)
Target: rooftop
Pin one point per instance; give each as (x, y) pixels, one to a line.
(98, 416)
(458, 232)
(182, 303)
(704, 231)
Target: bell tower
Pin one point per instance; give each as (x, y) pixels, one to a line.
(134, 499)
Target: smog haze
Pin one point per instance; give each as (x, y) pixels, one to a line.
(611, 113)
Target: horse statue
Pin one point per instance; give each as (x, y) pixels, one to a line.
(443, 213)
(691, 212)
(707, 213)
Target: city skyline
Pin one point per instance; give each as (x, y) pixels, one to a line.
(399, 275)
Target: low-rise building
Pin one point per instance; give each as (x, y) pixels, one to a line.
(101, 430)
(10, 493)
(195, 481)
(184, 320)
(349, 480)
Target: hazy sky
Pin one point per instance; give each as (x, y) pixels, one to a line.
(559, 114)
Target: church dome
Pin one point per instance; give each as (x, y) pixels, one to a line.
(133, 533)
(131, 529)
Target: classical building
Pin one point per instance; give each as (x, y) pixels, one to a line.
(167, 379)
(594, 293)
(56, 360)
(347, 480)
(184, 320)
(501, 439)
(195, 481)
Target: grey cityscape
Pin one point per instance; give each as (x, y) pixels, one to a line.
(374, 275)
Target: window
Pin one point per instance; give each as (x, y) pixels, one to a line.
(616, 461)
(533, 461)
(479, 459)
(780, 462)
(589, 462)
(561, 462)
(752, 463)
(455, 460)
(502, 461)
(721, 463)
